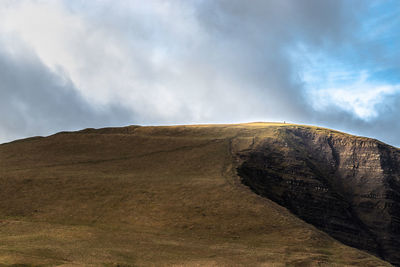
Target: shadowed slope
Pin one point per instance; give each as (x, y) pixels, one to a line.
(150, 195)
(346, 186)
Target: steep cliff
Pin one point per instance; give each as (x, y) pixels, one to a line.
(347, 186)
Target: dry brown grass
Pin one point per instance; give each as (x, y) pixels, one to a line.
(150, 196)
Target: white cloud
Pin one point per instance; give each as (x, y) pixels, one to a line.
(360, 97)
(137, 55)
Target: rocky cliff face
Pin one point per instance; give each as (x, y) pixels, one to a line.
(346, 186)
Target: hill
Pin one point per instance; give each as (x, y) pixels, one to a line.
(260, 194)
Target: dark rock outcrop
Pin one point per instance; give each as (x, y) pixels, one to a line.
(347, 186)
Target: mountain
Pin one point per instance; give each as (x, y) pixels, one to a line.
(258, 194)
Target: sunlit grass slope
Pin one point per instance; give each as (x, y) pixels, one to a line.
(140, 196)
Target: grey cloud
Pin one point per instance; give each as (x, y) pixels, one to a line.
(252, 40)
(385, 127)
(36, 101)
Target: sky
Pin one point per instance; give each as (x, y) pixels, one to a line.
(73, 64)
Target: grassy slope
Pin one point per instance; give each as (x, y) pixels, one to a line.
(141, 196)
